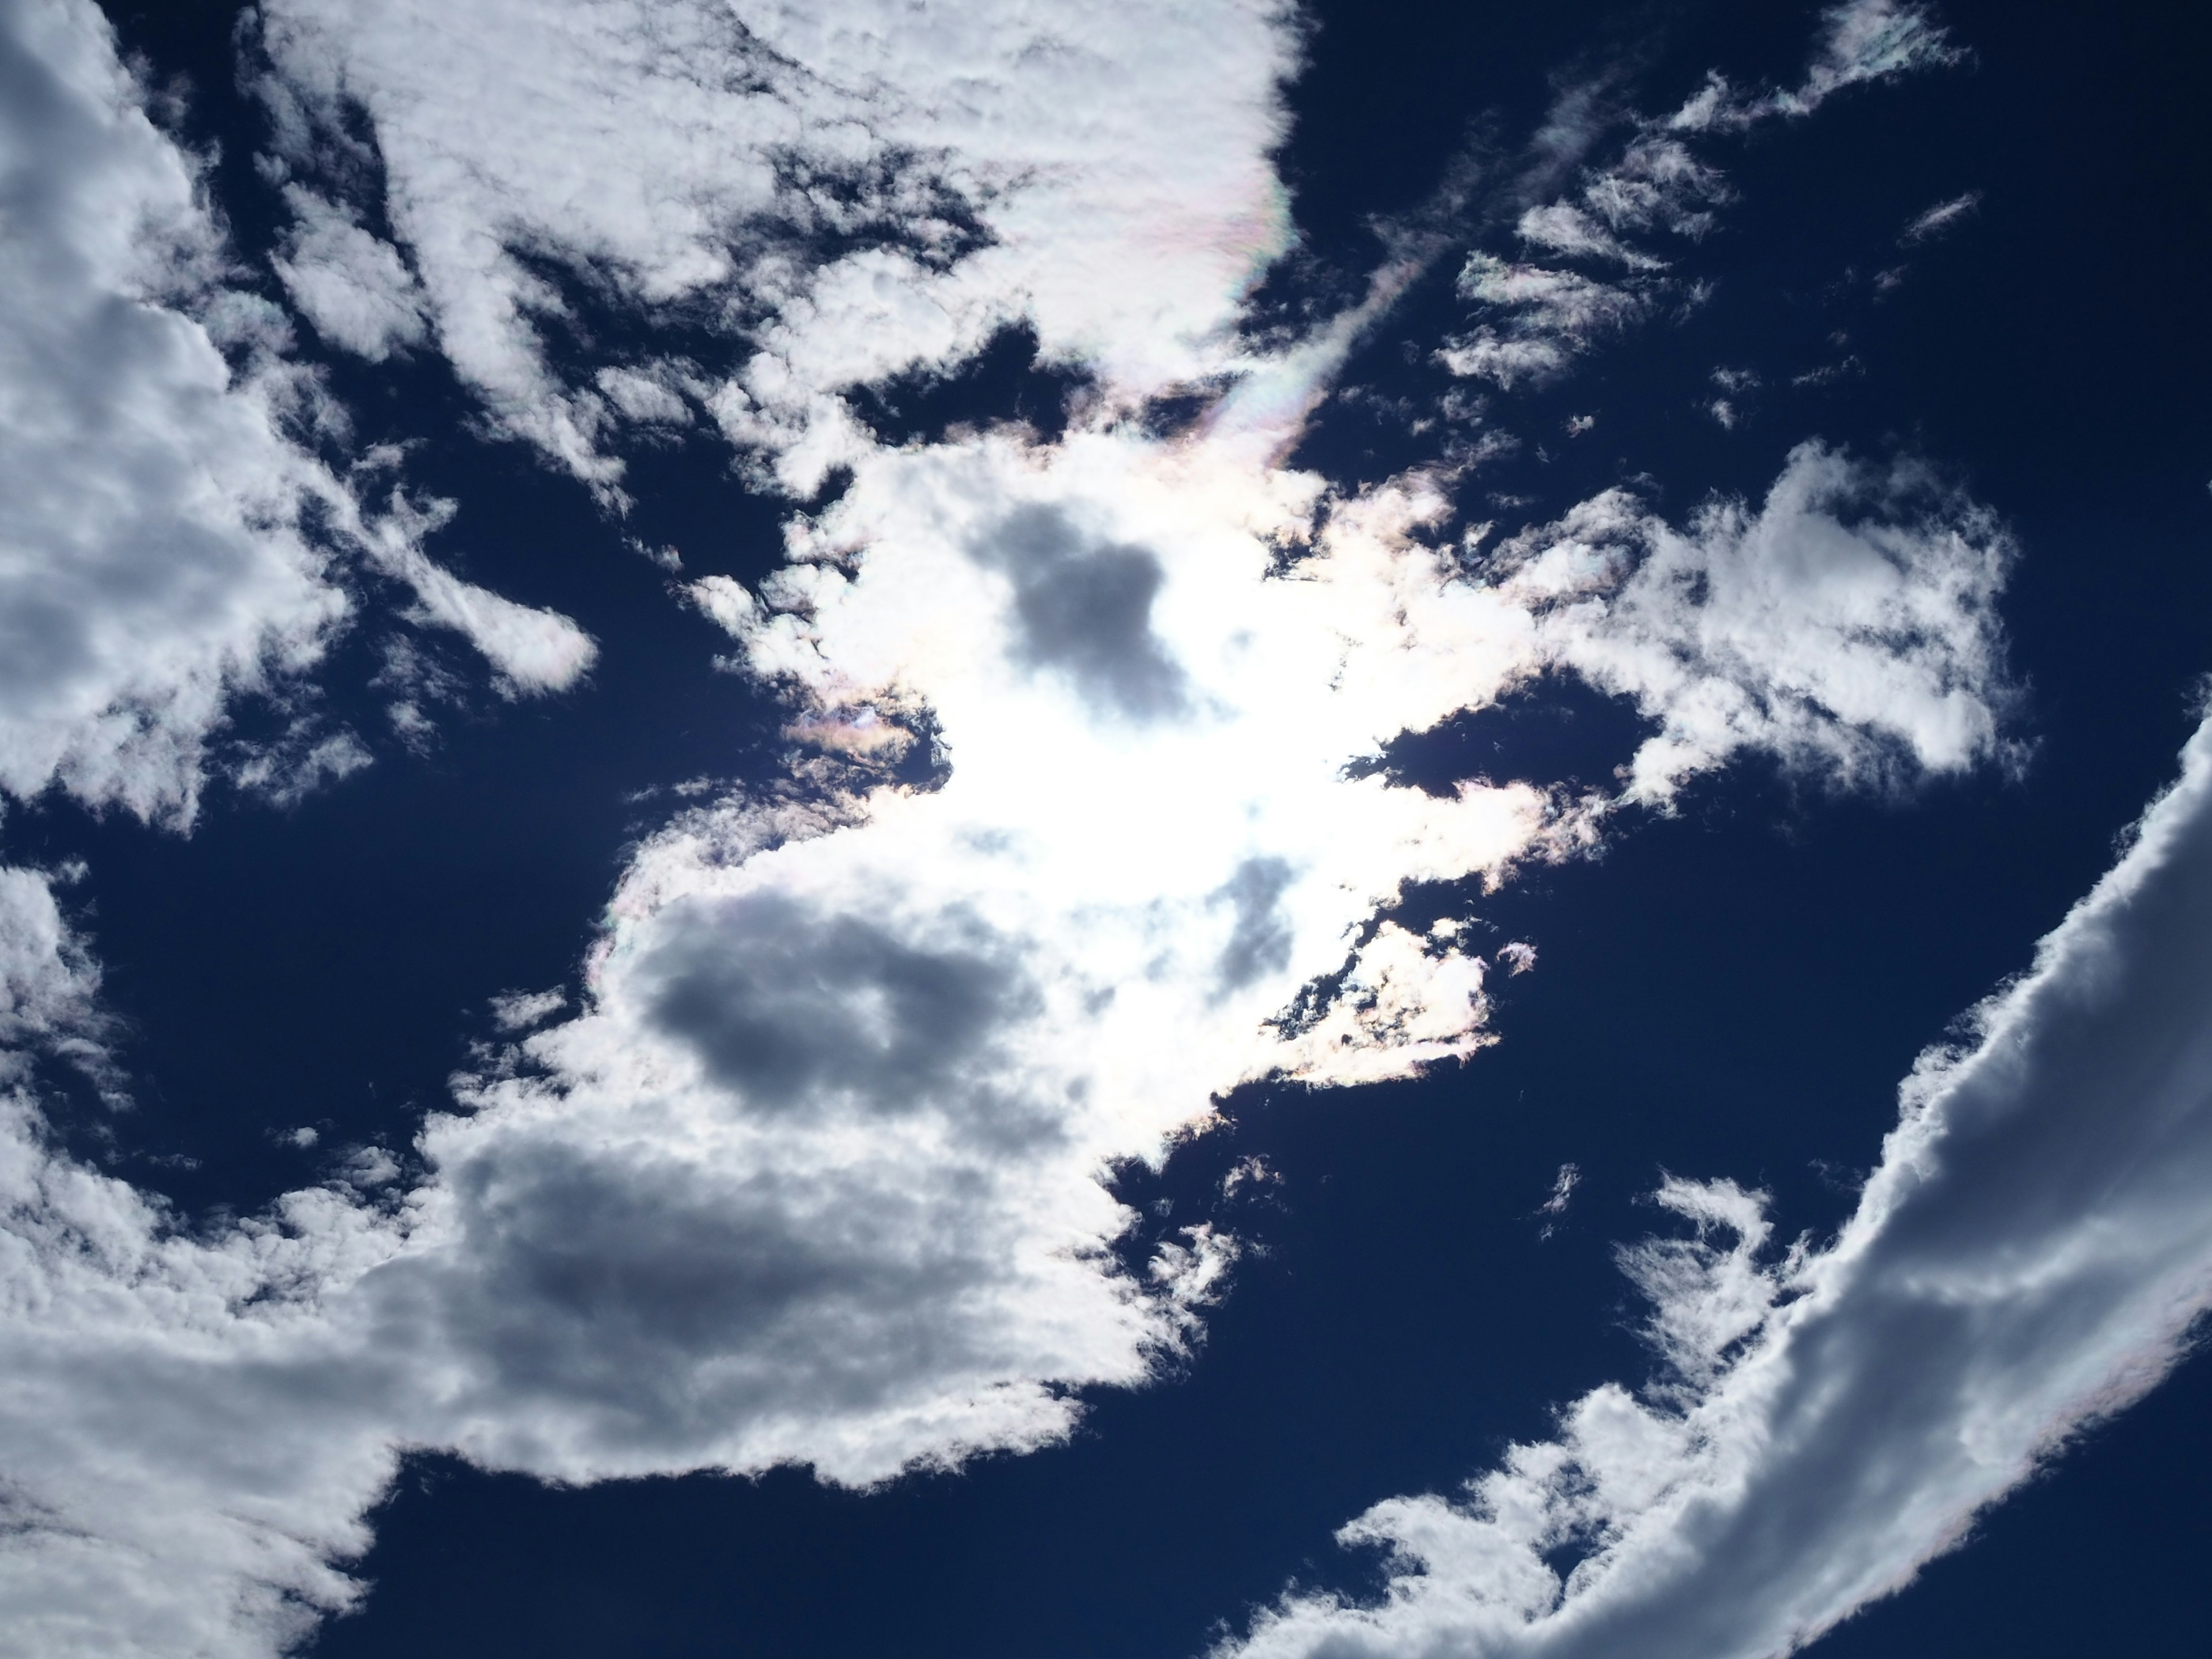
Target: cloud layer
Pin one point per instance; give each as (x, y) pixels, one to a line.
(820, 1170)
(819, 1174)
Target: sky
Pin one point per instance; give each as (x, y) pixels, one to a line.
(1183, 829)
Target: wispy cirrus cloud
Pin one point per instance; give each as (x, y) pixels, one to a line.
(1533, 320)
(1935, 221)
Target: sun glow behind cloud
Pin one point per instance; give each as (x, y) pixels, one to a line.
(821, 1171)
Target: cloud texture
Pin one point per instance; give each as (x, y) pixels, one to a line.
(159, 485)
(838, 194)
(2028, 1257)
(820, 1170)
(1531, 321)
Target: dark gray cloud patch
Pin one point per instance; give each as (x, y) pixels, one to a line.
(1084, 610)
(1260, 941)
(786, 1003)
(659, 1303)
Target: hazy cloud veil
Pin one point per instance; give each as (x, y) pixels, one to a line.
(818, 1172)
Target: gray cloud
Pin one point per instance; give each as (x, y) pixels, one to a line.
(791, 1008)
(1261, 941)
(1084, 609)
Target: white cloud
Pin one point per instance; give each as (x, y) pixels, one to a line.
(1861, 41)
(1657, 184)
(1566, 229)
(1847, 626)
(1554, 302)
(2029, 1258)
(532, 651)
(1936, 220)
(1545, 318)
(186, 1447)
(853, 190)
(148, 496)
(1538, 320)
(290, 770)
(814, 1174)
(352, 285)
(154, 562)
(1562, 1190)
(518, 1011)
(49, 985)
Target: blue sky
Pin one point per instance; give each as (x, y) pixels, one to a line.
(1108, 830)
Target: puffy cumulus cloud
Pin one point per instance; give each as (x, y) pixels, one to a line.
(2028, 1257)
(1848, 626)
(147, 497)
(176, 1466)
(157, 557)
(848, 191)
(185, 1442)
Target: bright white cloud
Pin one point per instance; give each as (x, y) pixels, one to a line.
(816, 1174)
(518, 1011)
(154, 562)
(1566, 229)
(1849, 626)
(351, 285)
(841, 192)
(149, 562)
(1861, 41)
(1548, 317)
(2029, 1258)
